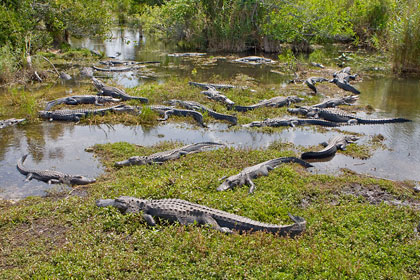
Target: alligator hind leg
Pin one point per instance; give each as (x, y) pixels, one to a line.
(207, 219)
(29, 177)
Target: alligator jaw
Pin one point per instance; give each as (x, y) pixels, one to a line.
(81, 180)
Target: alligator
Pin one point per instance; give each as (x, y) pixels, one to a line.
(173, 154)
(115, 92)
(76, 115)
(127, 62)
(247, 174)
(185, 212)
(81, 99)
(10, 122)
(316, 64)
(310, 82)
(334, 102)
(254, 60)
(215, 95)
(342, 78)
(337, 115)
(186, 54)
(192, 105)
(277, 122)
(51, 176)
(117, 69)
(338, 142)
(278, 101)
(64, 76)
(166, 111)
(208, 86)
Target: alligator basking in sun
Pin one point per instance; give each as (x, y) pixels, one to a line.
(185, 212)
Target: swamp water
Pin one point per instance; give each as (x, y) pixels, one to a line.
(61, 146)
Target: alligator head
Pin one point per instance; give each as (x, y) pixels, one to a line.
(136, 160)
(351, 138)
(80, 180)
(125, 204)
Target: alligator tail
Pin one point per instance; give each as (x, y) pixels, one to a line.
(295, 160)
(381, 121)
(242, 108)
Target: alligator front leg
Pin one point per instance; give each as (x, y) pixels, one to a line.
(53, 181)
(149, 219)
(251, 185)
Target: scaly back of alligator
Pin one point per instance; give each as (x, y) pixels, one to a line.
(337, 115)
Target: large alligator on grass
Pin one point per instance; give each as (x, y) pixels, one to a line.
(167, 111)
(341, 116)
(209, 86)
(247, 174)
(278, 101)
(277, 122)
(51, 176)
(310, 82)
(192, 105)
(81, 99)
(76, 115)
(342, 79)
(338, 142)
(173, 154)
(115, 92)
(310, 111)
(10, 122)
(185, 212)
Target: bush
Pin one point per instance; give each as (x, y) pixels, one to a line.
(8, 64)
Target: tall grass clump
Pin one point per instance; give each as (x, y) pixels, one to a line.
(405, 38)
(8, 64)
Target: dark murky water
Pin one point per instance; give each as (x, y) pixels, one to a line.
(61, 146)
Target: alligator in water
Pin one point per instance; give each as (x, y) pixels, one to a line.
(10, 122)
(186, 54)
(115, 92)
(76, 115)
(277, 122)
(310, 82)
(173, 154)
(126, 62)
(278, 101)
(338, 142)
(87, 72)
(81, 99)
(167, 111)
(254, 60)
(192, 105)
(51, 176)
(342, 78)
(247, 174)
(117, 69)
(64, 76)
(185, 212)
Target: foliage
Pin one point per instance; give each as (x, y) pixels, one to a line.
(8, 63)
(405, 38)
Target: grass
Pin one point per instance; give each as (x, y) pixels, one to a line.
(67, 236)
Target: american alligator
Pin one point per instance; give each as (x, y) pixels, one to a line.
(338, 142)
(254, 60)
(115, 92)
(277, 122)
(247, 174)
(317, 65)
(173, 154)
(334, 102)
(51, 176)
(310, 82)
(192, 105)
(185, 212)
(76, 115)
(337, 115)
(186, 54)
(342, 78)
(276, 102)
(121, 62)
(208, 86)
(215, 95)
(10, 122)
(117, 69)
(166, 111)
(81, 99)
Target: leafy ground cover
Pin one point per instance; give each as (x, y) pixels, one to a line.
(348, 235)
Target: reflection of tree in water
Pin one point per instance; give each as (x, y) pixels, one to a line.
(35, 141)
(9, 137)
(55, 130)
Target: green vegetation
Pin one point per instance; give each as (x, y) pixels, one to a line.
(67, 236)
